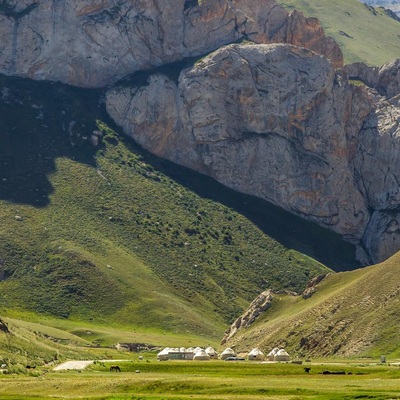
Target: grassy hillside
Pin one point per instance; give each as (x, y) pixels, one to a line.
(363, 33)
(111, 236)
(351, 313)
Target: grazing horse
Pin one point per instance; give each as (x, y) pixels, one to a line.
(307, 369)
(115, 368)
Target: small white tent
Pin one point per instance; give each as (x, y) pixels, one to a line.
(228, 352)
(212, 353)
(256, 355)
(201, 355)
(271, 355)
(282, 355)
(163, 354)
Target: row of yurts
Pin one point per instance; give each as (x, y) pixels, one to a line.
(209, 353)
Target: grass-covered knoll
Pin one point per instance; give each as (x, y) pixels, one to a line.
(112, 236)
(363, 33)
(40, 341)
(351, 313)
(207, 380)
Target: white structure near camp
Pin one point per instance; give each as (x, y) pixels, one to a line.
(256, 355)
(201, 355)
(228, 352)
(278, 355)
(212, 353)
(163, 354)
(271, 354)
(282, 355)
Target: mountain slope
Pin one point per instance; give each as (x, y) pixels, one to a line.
(114, 235)
(351, 313)
(363, 33)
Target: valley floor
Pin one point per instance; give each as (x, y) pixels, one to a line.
(151, 380)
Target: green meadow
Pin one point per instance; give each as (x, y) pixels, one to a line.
(179, 380)
(363, 33)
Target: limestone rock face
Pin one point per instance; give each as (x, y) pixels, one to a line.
(378, 167)
(95, 43)
(276, 121)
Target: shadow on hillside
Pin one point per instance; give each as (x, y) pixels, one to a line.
(291, 231)
(40, 121)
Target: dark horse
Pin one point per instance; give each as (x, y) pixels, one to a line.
(115, 368)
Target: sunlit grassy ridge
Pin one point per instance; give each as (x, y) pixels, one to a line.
(363, 33)
(351, 313)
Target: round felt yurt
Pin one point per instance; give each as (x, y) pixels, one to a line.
(228, 352)
(282, 355)
(201, 355)
(163, 354)
(271, 355)
(212, 353)
(256, 355)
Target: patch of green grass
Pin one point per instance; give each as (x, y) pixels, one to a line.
(207, 380)
(364, 34)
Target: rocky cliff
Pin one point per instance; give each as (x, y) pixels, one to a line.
(94, 43)
(277, 121)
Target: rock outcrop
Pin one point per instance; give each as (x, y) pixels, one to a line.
(260, 304)
(386, 79)
(312, 286)
(3, 327)
(278, 122)
(93, 44)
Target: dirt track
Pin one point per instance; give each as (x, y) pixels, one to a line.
(73, 365)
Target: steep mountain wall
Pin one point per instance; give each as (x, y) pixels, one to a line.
(92, 44)
(277, 121)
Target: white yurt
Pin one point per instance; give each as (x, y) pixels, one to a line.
(201, 355)
(282, 355)
(228, 352)
(256, 355)
(197, 349)
(212, 353)
(271, 355)
(163, 354)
